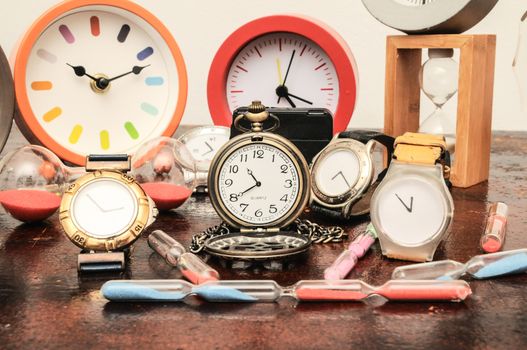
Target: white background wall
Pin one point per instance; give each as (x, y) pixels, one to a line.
(200, 27)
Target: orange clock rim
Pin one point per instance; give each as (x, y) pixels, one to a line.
(34, 32)
(321, 34)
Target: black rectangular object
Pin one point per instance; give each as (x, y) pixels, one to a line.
(309, 129)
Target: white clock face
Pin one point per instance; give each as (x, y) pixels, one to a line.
(411, 210)
(101, 41)
(258, 183)
(205, 143)
(284, 70)
(104, 208)
(337, 172)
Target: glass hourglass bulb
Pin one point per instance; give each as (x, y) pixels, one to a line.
(166, 170)
(439, 81)
(32, 180)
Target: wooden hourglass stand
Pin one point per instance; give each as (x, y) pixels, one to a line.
(475, 93)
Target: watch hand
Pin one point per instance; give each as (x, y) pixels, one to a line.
(288, 99)
(251, 173)
(300, 98)
(247, 190)
(136, 70)
(210, 149)
(341, 174)
(409, 208)
(80, 71)
(114, 209)
(94, 202)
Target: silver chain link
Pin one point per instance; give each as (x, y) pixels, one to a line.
(316, 233)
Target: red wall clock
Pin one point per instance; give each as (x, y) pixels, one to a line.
(286, 61)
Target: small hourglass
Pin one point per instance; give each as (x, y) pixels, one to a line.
(438, 79)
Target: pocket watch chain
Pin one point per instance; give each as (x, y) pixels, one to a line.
(316, 233)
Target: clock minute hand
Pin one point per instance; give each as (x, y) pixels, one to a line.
(135, 69)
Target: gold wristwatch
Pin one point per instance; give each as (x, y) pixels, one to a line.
(104, 212)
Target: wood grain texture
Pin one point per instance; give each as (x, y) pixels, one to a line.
(475, 89)
(44, 304)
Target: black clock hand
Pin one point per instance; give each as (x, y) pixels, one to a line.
(136, 70)
(408, 208)
(288, 99)
(210, 149)
(247, 190)
(300, 98)
(286, 75)
(251, 173)
(80, 71)
(341, 174)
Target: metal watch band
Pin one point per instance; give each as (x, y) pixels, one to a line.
(360, 206)
(119, 162)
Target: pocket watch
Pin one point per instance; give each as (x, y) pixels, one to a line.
(98, 76)
(343, 173)
(258, 183)
(203, 143)
(412, 208)
(105, 211)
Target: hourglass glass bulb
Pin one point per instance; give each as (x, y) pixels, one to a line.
(32, 180)
(439, 76)
(166, 170)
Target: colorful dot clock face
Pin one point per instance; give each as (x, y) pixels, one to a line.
(284, 61)
(98, 76)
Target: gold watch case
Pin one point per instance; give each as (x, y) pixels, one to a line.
(366, 170)
(121, 240)
(283, 145)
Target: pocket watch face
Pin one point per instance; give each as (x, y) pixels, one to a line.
(104, 208)
(204, 142)
(411, 210)
(337, 172)
(258, 183)
(99, 79)
(261, 67)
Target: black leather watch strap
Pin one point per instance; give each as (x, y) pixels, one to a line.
(108, 157)
(365, 136)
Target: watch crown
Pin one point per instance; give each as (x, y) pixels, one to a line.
(256, 107)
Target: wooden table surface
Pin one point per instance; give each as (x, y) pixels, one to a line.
(44, 303)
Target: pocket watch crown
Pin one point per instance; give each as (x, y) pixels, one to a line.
(256, 107)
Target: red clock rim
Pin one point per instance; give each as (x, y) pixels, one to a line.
(28, 118)
(327, 38)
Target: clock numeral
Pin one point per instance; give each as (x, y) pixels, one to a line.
(127, 178)
(228, 182)
(273, 158)
(244, 206)
(233, 169)
(71, 187)
(258, 213)
(79, 239)
(243, 158)
(284, 198)
(283, 169)
(272, 209)
(233, 197)
(138, 228)
(288, 183)
(258, 154)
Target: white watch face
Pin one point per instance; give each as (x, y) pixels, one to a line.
(102, 41)
(258, 183)
(104, 208)
(411, 210)
(337, 172)
(205, 143)
(262, 66)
